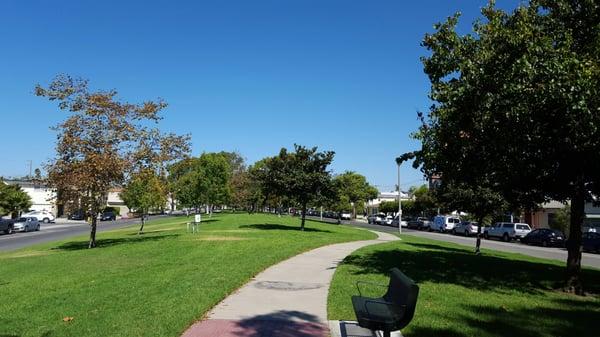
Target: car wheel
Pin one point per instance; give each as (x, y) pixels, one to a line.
(26, 229)
(37, 228)
(544, 243)
(8, 230)
(466, 233)
(486, 236)
(505, 237)
(453, 232)
(46, 220)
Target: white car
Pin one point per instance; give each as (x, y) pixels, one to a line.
(466, 228)
(444, 223)
(375, 218)
(507, 231)
(42, 216)
(346, 216)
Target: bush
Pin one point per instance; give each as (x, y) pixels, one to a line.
(114, 209)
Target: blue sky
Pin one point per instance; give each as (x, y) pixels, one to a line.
(247, 76)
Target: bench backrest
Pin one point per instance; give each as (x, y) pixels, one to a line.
(404, 292)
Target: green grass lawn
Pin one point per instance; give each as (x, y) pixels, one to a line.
(155, 284)
(496, 294)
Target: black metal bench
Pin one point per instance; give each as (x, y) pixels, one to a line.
(393, 311)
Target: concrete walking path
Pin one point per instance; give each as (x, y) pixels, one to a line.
(288, 299)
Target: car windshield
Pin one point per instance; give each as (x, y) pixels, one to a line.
(22, 220)
(524, 227)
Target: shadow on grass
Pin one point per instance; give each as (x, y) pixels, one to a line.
(575, 319)
(268, 226)
(440, 264)
(564, 316)
(104, 243)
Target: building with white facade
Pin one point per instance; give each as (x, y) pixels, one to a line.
(373, 205)
(43, 198)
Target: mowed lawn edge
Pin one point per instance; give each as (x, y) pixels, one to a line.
(496, 294)
(155, 284)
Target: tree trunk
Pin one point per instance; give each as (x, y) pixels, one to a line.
(573, 282)
(353, 210)
(94, 223)
(141, 231)
(303, 216)
(478, 241)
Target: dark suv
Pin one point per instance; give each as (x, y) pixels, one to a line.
(108, 216)
(6, 226)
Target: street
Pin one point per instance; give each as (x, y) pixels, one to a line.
(588, 260)
(59, 231)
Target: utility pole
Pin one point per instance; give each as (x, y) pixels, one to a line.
(30, 166)
(399, 202)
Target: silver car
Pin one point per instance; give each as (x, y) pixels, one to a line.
(26, 224)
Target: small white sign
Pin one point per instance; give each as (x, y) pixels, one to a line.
(197, 218)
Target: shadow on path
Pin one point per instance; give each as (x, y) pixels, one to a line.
(282, 324)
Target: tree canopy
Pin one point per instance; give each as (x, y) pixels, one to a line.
(13, 199)
(516, 108)
(144, 191)
(354, 189)
(102, 142)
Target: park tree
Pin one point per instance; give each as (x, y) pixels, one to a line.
(354, 188)
(204, 180)
(216, 174)
(100, 142)
(305, 175)
(239, 182)
(13, 199)
(144, 191)
(300, 176)
(516, 109)
(479, 201)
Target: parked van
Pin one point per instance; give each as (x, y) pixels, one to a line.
(444, 223)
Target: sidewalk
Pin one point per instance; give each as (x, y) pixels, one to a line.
(288, 299)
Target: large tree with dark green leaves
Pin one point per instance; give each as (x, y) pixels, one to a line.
(301, 176)
(305, 177)
(516, 108)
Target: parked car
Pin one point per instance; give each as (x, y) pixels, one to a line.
(375, 218)
(43, 216)
(6, 225)
(545, 237)
(591, 242)
(346, 216)
(77, 215)
(507, 231)
(388, 220)
(108, 216)
(466, 228)
(26, 224)
(444, 223)
(419, 223)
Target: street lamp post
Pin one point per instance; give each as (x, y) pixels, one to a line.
(399, 203)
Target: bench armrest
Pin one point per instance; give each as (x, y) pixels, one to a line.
(375, 302)
(370, 283)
